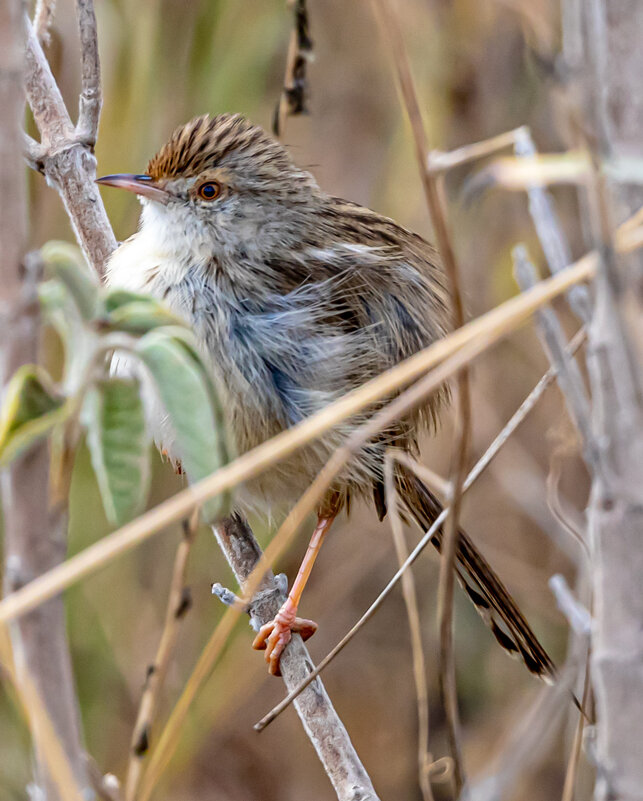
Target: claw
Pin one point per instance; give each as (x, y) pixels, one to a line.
(273, 637)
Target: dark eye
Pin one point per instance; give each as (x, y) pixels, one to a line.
(210, 190)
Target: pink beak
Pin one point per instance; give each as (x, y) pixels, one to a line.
(139, 184)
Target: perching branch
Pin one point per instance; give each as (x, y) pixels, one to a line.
(316, 712)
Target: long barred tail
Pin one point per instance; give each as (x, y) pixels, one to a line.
(488, 594)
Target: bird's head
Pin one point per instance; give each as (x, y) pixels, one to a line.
(219, 182)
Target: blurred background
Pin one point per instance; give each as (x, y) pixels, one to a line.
(482, 67)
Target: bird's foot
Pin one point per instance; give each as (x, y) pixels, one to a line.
(274, 636)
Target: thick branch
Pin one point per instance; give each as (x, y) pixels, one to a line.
(611, 61)
(321, 723)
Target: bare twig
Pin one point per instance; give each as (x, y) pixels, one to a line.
(567, 371)
(521, 413)
(441, 161)
(178, 604)
(478, 336)
(412, 612)
(67, 158)
(391, 30)
(578, 616)
(90, 100)
(321, 723)
(552, 239)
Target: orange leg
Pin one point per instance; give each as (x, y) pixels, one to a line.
(275, 636)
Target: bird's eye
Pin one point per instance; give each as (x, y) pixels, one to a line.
(210, 190)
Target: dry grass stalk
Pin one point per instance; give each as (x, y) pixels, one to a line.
(293, 99)
(178, 604)
(413, 615)
(439, 161)
(482, 332)
(519, 416)
(389, 24)
(47, 743)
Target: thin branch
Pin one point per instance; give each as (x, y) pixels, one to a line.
(413, 615)
(567, 370)
(521, 413)
(389, 24)
(552, 239)
(440, 161)
(478, 335)
(90, 100)
(67, 159)
(579, 618)
(177, 606)
(44, 97)
(321, 723)
(33, 152)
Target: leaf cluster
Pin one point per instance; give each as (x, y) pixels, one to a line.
(95, 326)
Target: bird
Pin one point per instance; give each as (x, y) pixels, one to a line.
(297, 297)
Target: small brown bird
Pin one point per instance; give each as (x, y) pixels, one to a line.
(296, 298)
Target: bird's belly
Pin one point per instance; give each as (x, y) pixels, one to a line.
(257, 402)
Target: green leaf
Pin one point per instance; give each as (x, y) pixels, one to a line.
(115, 298)
(31, 408)
(139, 317)
(65, 263)
(118, 445)
(190, 400)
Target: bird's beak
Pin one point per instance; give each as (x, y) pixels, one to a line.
(142, 185)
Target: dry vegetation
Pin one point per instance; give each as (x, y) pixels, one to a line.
(547, 480)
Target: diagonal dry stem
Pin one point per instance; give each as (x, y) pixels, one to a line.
(177, 606)
(279, 543)
(521, 413)
(481, 333)
(46, 740)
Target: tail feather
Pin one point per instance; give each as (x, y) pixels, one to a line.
(488, 594)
